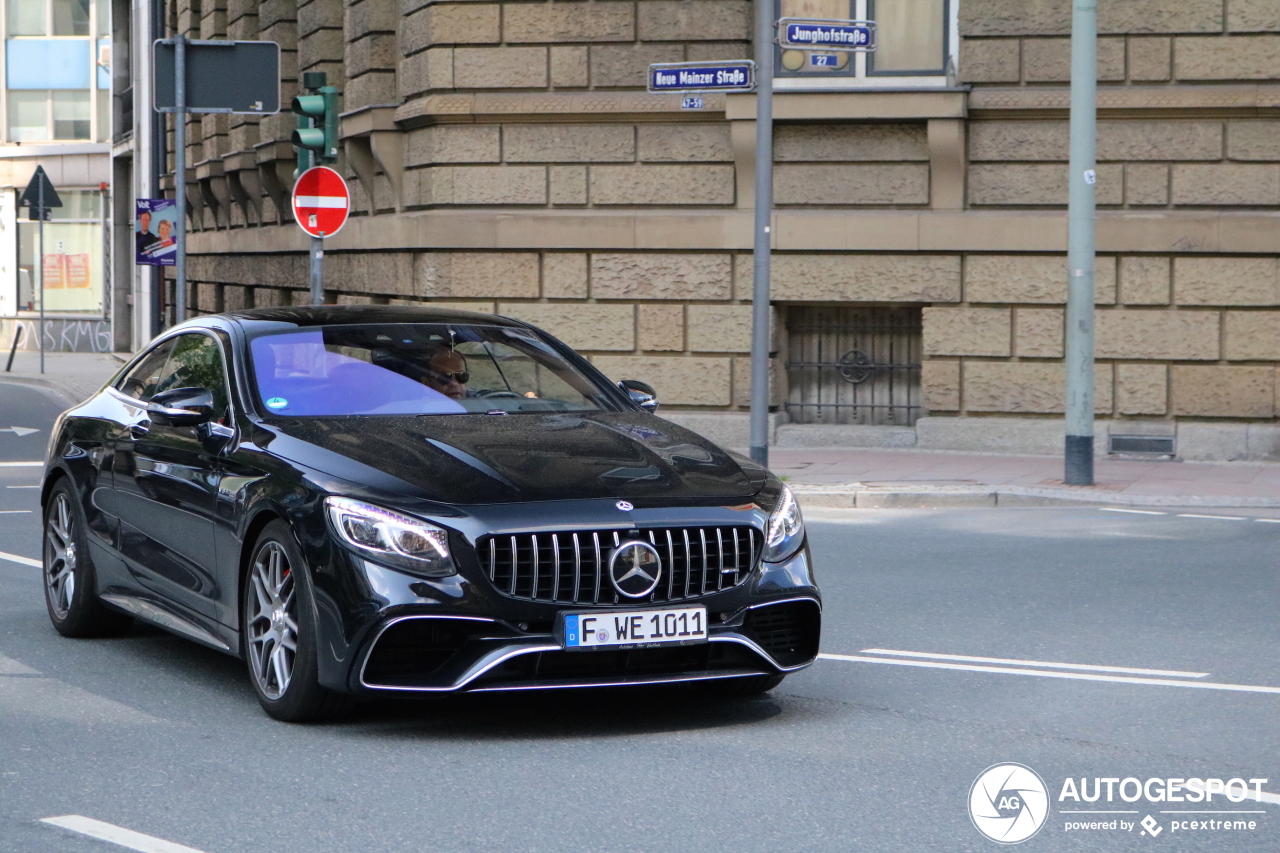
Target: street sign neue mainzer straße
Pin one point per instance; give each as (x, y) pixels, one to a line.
(737, 75)
(841, 35)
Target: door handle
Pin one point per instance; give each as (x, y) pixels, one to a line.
(140, 429)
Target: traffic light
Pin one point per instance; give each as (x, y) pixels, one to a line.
(317, 135)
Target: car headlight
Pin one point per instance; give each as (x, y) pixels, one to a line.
(388, 537)
(786, 529)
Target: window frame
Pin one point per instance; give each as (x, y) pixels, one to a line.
(861, 73)
(170, 341)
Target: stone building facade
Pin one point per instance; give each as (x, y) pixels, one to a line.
(505, 156)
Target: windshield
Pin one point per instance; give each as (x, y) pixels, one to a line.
(418, 369)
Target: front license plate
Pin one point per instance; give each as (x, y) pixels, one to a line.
(596, 630)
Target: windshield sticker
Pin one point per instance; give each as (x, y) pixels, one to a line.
(277, 402)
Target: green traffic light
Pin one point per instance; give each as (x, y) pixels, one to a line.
(317, 133)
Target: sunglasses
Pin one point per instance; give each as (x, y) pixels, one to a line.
(461, 378)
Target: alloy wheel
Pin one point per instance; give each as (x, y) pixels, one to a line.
(273, 625)
(60, 556)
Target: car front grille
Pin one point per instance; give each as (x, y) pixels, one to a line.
(573, 567)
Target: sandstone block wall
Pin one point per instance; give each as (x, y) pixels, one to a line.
(535, 113)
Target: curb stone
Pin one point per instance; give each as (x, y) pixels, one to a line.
(860, 496)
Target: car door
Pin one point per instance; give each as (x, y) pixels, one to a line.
(165, 481)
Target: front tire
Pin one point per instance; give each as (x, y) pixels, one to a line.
(70, 587)
(279, 632)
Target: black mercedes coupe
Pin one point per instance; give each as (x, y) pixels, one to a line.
(375, 500)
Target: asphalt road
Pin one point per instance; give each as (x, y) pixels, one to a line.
(162, 737)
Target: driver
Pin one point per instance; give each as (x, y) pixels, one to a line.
(447, 373)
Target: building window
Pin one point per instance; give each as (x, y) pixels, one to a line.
(53, 18)
(56, 72)
(916, 43)
(72, 256)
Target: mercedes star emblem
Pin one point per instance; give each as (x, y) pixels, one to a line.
(625, 506)
(634, 569)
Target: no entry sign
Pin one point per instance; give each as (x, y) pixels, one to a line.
(321, 202)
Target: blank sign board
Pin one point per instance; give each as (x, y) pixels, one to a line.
(222, 77)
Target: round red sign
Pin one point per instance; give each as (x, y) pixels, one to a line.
(321, 201)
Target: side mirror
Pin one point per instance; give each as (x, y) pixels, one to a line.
(181, 407)
(641, 393)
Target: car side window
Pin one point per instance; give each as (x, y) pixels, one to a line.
(196, 362)
(141, 382)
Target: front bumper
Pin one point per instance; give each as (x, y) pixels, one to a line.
(448, 641)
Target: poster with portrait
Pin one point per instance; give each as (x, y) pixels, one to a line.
(154, 224)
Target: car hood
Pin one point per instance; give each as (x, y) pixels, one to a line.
(479, 459)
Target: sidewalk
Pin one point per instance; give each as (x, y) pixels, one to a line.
(73, 375)
(866, 478)
(915, 478)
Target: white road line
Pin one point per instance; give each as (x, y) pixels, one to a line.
(1218, 517)
(1050, 664)
(13, 511)
(116, 834)
(1268, 520)
(26, 561)
(1078, 676)
(21, 464)
(23, 487)
(1135, 512)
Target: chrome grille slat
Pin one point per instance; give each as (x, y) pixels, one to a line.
(599, 571)
(729, 552)
(577, 568)
(702, 534)
(555, 556)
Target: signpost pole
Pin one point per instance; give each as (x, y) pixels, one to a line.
(763, 216)
(40, 230)
(180, 177)
(317, 270)
(1081, 206)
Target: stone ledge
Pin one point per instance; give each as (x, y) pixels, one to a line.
(553, 106)
(983, 232)
(1243, 100)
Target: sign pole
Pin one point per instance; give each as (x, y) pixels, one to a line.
(180, 177)
(763, 218)
(317, 270)
(1081, 207)
(40, 230)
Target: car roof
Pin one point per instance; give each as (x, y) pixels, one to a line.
(329, 315)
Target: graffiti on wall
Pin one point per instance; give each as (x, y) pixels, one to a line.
(59, 335)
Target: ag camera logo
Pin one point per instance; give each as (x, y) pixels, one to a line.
(1008, 803)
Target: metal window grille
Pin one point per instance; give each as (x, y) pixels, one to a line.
(854, 365)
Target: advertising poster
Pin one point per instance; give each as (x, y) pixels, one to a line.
(153, 225)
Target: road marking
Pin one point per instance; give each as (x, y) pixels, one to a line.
(23, 487)
(1268, 520)
(116, 834)
(13, 511)
(1078, 676)
(1050, 664)
(19, 431)
(1135, 512)
(26, 561)
(21, 464)
(1219, 517)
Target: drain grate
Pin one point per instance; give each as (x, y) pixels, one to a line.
(1160, 445)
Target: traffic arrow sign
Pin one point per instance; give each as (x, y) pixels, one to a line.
(321, 202)
(20, 431)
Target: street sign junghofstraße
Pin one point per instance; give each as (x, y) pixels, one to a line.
(738, 75)
(818, 34)
(222, 77)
